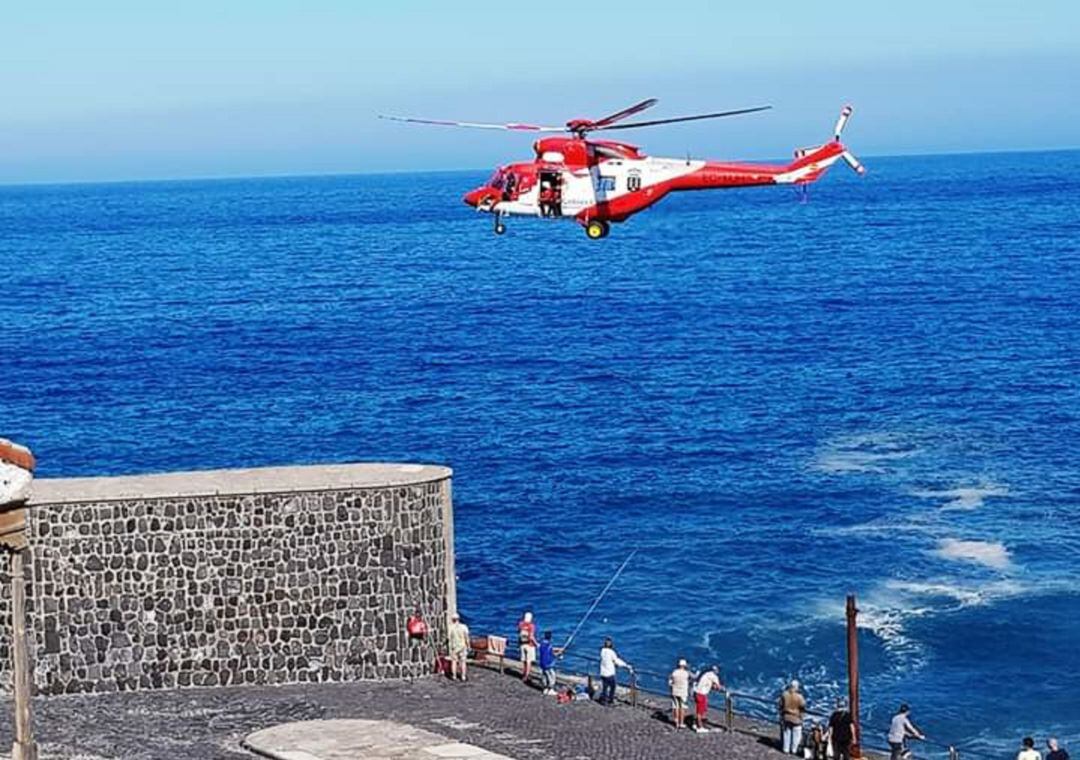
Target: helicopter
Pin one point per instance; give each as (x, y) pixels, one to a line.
(599, 182)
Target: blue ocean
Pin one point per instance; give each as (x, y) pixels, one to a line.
(776, 400)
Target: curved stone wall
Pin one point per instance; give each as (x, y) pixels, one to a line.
(277, 575)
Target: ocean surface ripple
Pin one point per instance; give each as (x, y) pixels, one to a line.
(777, 402)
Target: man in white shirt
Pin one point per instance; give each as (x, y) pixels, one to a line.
(707, 682)
(609, 663)
(900, 729)
(1028, 752)
(679, 681)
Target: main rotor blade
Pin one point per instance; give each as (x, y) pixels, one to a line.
(620, 115)
(512, 126)
(636, 124)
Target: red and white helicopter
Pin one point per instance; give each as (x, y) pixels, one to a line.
(598, 182)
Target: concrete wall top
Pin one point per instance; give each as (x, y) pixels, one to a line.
(234, 482)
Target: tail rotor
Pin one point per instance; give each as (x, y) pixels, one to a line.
(849, 158)
(853, 162)
(841, 122)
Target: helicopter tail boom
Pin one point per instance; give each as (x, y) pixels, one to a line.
(811, 163)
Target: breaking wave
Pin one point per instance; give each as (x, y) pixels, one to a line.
(991, 554)
(868, 453)
(966, 498)
(887, 623)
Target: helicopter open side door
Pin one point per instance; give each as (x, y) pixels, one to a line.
(551, 190)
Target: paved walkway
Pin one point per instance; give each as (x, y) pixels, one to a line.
(359, 740)
(494, 712)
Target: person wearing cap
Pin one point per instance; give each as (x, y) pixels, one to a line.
(679, 681)
(527, 644)
(459, 648)
(708, 681)
(841, 731)
(610, 662)
(900, 729)
(792, 707)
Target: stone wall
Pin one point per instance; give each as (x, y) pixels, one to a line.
(278, 575)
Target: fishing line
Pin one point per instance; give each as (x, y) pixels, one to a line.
(596, 601)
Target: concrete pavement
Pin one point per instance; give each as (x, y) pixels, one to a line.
(359, 740)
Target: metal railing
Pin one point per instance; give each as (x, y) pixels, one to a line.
(735, 705)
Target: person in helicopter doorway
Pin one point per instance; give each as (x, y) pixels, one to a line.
(547, 197)
(509, 186)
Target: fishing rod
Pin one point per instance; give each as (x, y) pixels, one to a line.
(596, 601)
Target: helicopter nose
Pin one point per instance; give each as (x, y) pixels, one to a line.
(473, 197)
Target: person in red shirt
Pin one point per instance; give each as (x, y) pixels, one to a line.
(527, 644)
(547, 198)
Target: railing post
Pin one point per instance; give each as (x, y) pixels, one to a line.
(24, 748)
(729, 711)
(633, 688)
(502, 669)
(853, 675)
(590, 687)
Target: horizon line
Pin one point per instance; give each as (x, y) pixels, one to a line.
(397, 172)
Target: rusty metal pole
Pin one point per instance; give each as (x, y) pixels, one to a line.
(853, 675)
(24, 747)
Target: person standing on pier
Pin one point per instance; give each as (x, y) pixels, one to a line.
(706, 683)
(548, 653)
(1028, 751)
(459, 648)
(900, 729)
(610, 662)
(527, 644)
(841, 731)
(792, 706)
(679, 681)
(1054, 751)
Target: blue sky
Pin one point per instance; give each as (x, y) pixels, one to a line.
(129, 90)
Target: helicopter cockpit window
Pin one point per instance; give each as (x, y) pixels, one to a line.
(497, 180)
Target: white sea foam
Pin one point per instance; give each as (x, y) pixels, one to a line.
(885, 526)
(869, 453)
(887, 623)
(964, 498)
(960, 595)
(887, 609)
(989, 553)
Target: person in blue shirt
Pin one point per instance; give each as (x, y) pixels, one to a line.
(548, 653)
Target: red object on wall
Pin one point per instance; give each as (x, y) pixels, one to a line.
(416, 627)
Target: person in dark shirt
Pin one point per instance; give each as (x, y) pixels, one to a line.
(1054, 751)
(841, 731)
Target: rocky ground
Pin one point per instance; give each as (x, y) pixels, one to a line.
(496, 712)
